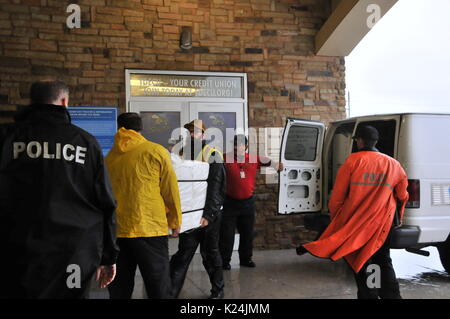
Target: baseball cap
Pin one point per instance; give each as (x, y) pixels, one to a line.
(367, 133)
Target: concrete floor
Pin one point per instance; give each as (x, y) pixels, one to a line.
(281, 274)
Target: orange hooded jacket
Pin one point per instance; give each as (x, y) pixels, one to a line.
(362, 208)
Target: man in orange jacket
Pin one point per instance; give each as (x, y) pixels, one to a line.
(368, 187)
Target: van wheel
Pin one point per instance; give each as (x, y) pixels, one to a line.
(444, 254)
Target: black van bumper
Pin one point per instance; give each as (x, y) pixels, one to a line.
(404, 237)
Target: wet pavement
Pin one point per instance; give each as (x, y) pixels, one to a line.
(421, 277)
(281, 274)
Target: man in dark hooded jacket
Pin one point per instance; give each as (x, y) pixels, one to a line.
(57, 224)
(207, 236)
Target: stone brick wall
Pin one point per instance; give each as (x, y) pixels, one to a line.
(272, 41)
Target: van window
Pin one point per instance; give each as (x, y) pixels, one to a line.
(301, 144)
(340, 146)
(386, 129)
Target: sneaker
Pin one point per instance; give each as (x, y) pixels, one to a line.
(226, 266)
(249, 264)
(217, 295)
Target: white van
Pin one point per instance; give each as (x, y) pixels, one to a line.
(420, 142)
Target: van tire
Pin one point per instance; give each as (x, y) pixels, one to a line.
(444, 254)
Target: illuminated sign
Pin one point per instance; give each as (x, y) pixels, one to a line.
(168, 85)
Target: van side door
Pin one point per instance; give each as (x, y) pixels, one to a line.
(337, 147)
(300, 182)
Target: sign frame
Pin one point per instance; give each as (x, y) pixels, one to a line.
(143, 103)
(114, 110)
(130, 98)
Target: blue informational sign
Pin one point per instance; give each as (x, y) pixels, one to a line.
(101, 122)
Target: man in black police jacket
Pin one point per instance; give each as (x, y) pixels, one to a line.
(57, 226)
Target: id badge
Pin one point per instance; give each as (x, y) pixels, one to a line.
(242, 174)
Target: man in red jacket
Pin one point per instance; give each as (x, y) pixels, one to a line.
(239, 205)
(362, 207)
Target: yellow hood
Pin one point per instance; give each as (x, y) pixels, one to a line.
(144, 184)
(127, 140)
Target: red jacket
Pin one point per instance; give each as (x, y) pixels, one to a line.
(362, 207)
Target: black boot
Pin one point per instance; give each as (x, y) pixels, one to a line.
(248, 263)
(217, 294)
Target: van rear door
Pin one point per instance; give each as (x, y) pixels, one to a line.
(300, 182)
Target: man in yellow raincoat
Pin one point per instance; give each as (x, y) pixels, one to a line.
(144, 184)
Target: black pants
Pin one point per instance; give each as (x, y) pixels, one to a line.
(208, 239)
(389, 288)
(39, 274)
(14, 285)
(238, 214)
(151, 254)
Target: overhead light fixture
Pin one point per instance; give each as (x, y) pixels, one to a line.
(186, 38)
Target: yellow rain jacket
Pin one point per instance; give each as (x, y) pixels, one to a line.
(144, 184)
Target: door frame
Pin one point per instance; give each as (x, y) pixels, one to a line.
(329, 138)
(185, 102)
(237, 108)
(380, 118)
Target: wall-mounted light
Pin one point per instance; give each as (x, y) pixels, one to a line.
(186, 38)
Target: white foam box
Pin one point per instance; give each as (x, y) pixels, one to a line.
(191, 176)
(191, 220)
(192, 195)
(189, 170)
